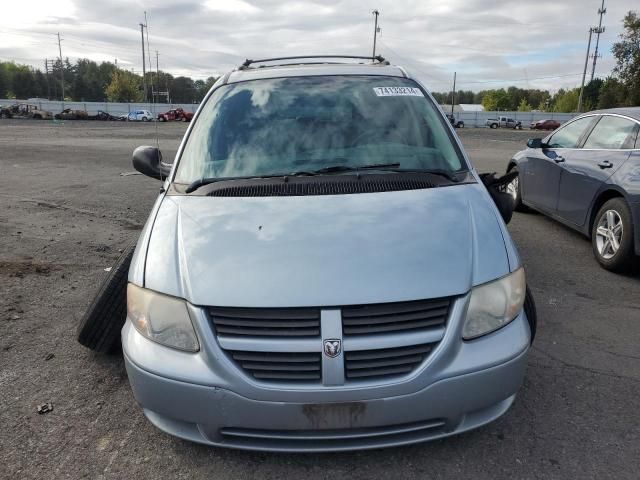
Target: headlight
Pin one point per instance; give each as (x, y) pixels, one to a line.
(494, 304)
(161, 318)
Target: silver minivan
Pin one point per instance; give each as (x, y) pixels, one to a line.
(323, 269)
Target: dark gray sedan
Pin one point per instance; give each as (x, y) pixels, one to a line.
(586, 175)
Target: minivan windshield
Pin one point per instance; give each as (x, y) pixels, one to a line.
(304, 124)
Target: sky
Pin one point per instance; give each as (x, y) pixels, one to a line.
(530, 44)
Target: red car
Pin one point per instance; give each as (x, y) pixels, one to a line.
(174, 115)
(545, 125)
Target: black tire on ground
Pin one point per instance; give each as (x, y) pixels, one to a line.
(99, 329)
(531, 312)
(37, 116)
(518, 206)
(145, 119)
(624, 258)
(162, 119)
(494, 125)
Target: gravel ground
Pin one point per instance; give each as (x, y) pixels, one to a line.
(67, 210)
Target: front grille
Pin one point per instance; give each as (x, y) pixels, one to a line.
(383, 363)
(267, 322)
(332, 439)
(394, 317)
(380, 341)
(282, 367)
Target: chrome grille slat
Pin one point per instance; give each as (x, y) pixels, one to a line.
(283, 366)
(394, 308)
(395, 317)
(281, 332)
(380, 372)
(401, 317)
(405, 360)
(393, 327)
(266, 322)
(273, 357)
(373, 354)
(386, 362)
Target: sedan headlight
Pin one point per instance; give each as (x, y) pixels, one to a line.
(494, 304)
(161, 318)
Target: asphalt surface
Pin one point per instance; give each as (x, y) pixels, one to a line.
(67, 210)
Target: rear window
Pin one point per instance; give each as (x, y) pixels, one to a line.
(612, 133)
(284, 125)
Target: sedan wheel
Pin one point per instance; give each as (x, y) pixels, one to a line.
(609, 234)
(612, 236)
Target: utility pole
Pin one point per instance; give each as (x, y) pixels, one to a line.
(157, 76)
(61, 69)
(146, 26)
(375, 32)
(144, 66)
(584, 73)
(598, 31)
(453, 93)
(46, 69)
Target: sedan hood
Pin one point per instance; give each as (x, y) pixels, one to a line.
(325, 250)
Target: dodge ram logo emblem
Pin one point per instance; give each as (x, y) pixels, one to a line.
(332, 347)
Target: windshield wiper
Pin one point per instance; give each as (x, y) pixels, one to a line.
(193, 186)
(432, 171)
(345, 168)
(201, 182)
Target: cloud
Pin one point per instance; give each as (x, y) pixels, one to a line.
(489, 44)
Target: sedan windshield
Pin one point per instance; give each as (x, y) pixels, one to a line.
(305, 124)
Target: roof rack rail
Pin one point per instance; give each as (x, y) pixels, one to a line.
(247, 62)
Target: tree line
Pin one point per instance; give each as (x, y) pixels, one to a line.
(89, 81)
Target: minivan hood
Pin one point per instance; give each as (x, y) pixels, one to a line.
(325, 250)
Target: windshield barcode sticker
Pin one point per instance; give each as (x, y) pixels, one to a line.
(397, 92)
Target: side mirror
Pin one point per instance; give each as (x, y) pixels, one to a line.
(148, 161)
(536, 143)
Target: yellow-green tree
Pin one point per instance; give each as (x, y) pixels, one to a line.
(524, 106)
(124, 87)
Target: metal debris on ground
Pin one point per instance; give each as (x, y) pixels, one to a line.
(45, 408)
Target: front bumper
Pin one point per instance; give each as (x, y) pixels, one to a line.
(465, 385)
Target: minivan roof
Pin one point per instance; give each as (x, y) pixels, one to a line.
(302, 70)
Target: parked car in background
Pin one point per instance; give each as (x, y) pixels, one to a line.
(547, 124)
(504, 122)
(454, 122)
(27, 110)
(175, 114)
(140, 116)
(70, 114)
(323, 270)
(5, 112)
(587, 175)
(104, 116)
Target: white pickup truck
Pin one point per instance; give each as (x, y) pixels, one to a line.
(504, 122)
